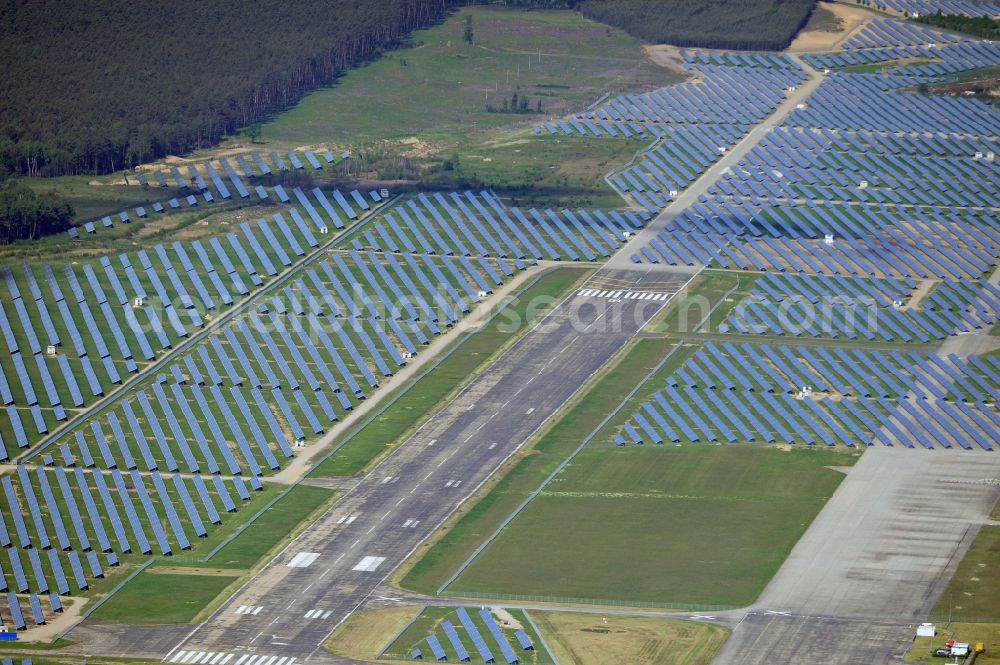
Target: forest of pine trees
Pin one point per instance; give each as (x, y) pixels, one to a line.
(94, 86)
(91, 86)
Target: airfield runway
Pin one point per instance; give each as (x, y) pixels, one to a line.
(287, 610)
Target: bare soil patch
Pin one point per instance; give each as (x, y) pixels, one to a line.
(822, 35)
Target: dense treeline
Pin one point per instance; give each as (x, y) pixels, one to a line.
(984, 26)
(91, 86)
(729, 24)
(27, 215)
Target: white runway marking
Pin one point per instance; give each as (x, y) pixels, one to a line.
(627, 295)
(369, 564)
(303, 559)
(249, 609)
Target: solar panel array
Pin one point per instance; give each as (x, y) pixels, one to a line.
(479, 225)
(203, 195)
(863, 179)
(882, 32)
(870, 213)
(65, 527)
(481, 632)
(740, 95)
(971, 8)
(865, 310)
(109, 318)
(289, 368)
(922, 60)
(823, 396)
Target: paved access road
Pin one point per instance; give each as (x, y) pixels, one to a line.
(287, 610)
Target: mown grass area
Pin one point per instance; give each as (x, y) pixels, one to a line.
(438, 90)
(876, 67)
(702, 303)
(364, 633)
(824, 20)
(545, 170)
(690, 526)
(273, 527)
(586, 639)
(392, 425)
(974, 590)
(429, 622)
(93, 197)
(442, 558)
(156, 598)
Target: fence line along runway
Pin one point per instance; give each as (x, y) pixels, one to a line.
(332, 568)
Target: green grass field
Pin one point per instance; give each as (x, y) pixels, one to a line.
(673, 526)
(93, 197)
(703, 302)
(392, 426)
(442, 558)
(972, 592)
(546, 170)
(586, 639)
(176, 598)
(438, 90)
(273, 527)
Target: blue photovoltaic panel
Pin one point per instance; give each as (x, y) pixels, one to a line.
(15, 611)
(34, 509)
(220, 489)
(55, 515)
(206, 500)
(311, 158)
(168, 506)
(455, 640)
(477, 639)
(15, 513)
(432, 642)
(498, 636)
(192, 512)
(261, 164)
(130, 513)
